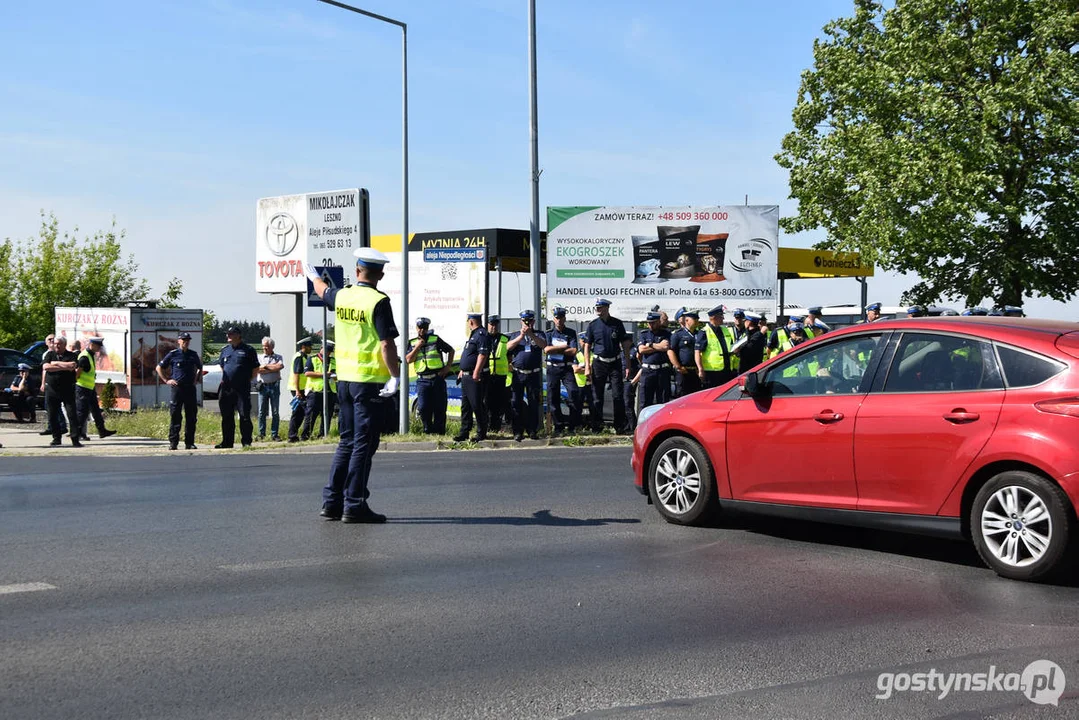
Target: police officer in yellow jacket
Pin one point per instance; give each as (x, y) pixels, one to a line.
(315, 390)
(425, 355)
(368, 369)
(498, 389)
(86, 403)
(297, 385)
(713, 352)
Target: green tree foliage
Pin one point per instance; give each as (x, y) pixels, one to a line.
(941, 137)
(49, 270)
(173, 293)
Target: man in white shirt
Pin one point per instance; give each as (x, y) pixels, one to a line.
(269, 387)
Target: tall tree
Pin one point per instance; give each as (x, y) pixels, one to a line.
(941, 137)
(50, 270)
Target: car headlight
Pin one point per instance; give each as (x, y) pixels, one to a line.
(647, 412)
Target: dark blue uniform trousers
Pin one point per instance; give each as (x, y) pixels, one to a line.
(472, 394)
(613, 373)
(359, 419)
(182, 401)
(233, 400)
(527, 392)
(431, 402)
(559, 376)
(655, 386)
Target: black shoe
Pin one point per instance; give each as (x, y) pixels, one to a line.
(84, 437)
(172, 446)
(327, 514)
(479, 438)
(366, 515)
(262, 438)
(293, 440)
(221, 446)
(192, 446)
(534, 436)
(55, 443)
(460, 438)
(275, 438)
(519, 437)
(106, 433)
(45, 432)
(75, 442)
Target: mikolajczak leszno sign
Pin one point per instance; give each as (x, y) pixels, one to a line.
(640, 257)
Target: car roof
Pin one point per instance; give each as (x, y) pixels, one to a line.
(993, 328)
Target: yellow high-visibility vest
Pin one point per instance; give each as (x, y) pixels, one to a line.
(296, 381)
(712, 357)
(430, 358)
(87, 379)
(358, 347)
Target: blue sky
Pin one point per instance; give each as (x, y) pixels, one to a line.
(175, 116)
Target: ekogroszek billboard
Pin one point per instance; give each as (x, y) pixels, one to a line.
(640, 257)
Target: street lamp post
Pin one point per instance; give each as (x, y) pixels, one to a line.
(403, 408)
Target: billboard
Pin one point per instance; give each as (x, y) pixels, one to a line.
(322, 228)
(640, 257)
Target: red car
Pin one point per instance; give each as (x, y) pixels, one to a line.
(957, 426)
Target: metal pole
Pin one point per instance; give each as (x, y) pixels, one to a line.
(325, 373)
(403, 408)
(403, 425)
(534, 231)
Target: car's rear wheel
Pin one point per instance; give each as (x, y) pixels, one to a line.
(1022, 525)
(681, 482)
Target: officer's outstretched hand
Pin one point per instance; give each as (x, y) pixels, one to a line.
(389, 388)
(310, 272)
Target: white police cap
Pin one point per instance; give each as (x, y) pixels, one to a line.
(370, 257)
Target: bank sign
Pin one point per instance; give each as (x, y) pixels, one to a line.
(640, 257)
(322, 228)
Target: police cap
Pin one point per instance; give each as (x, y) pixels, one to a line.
(23, 366)
(233, 331)
(653, 317)
(796, 319)
(815, 310)
(369, 257)
(753, 317)
(475, 316)
(329, 344)
(493, 319)
(527, 315)
(739, 314)
(303, 341)
(977, 311)
(691, 314)
(996, 312)
(875, 307)
(717, 310)
(797, 327)
(1013, 311)
(559, 312)
(98, 340)
(917, 311)
(423, 322)
(184, 336)
(603, 302)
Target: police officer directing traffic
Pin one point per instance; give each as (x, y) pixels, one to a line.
(606, 361)
(86, 402)
(652, 347)
(239, 366)
(184, 370)
(525, 349)
(561, 351)
(425, 354)
(473, 375)
(368, 371)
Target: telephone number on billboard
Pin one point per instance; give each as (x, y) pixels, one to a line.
(679, 216)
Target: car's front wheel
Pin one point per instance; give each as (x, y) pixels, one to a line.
(1021, 525)
(681, 482)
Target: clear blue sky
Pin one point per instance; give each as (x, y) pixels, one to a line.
(175, 116)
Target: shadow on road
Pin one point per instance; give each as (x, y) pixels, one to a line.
(540, 517)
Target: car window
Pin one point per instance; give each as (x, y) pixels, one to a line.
(1023, 369)
(835, 368)
(11, 358)
(927, 362)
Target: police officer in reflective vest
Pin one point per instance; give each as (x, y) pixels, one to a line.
(86, 403)
(297, 385)
(780, 337)
(814, 324)
(368, 370)
(561, 352)
(185, 369)
(713, 353)
(526, 348)
(313, 371)
(474, 374)
(739, 316)
(498, 389)
(652, 347)
(425, 354)
(606, 361)
(683, 353)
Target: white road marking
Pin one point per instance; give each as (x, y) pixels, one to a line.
(25, 587)
(301, 562)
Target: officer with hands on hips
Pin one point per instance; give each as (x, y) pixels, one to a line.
(525, 349)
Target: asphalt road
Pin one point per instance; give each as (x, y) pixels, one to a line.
(511, 584)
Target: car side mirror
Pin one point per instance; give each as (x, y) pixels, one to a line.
(751, 384)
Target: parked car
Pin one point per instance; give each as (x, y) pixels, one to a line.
(9, 369)
(953, 426)
(36, 350)
(211, 381)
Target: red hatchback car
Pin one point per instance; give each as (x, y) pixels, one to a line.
(959, 426)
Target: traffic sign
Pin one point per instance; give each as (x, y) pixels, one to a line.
(447, 255)
(333, 275)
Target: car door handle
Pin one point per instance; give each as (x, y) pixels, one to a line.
(827, 416)
(960, 416)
